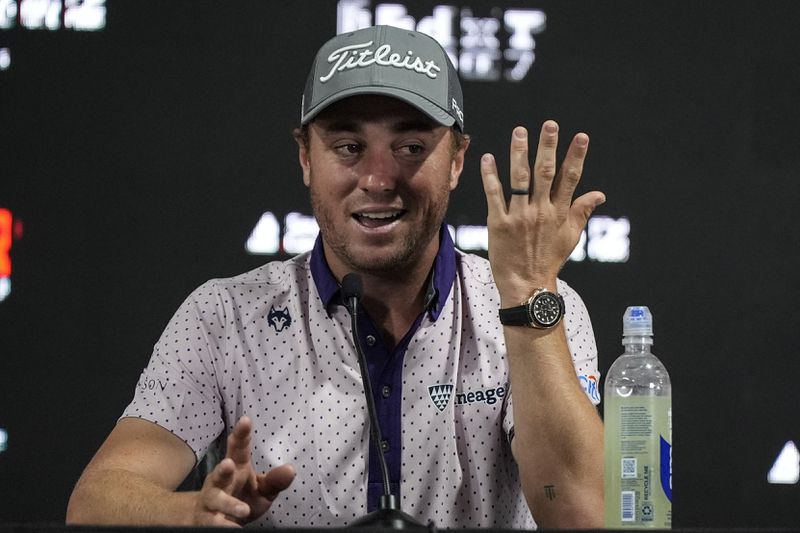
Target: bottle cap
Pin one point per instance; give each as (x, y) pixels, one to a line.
(637, 322)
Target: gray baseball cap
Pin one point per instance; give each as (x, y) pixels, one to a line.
(403, 64)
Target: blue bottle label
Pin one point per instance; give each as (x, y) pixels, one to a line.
(666, 468)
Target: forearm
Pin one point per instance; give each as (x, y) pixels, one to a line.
(124, 498)
(558, 435)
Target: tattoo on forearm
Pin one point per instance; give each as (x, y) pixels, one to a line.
(550, 492)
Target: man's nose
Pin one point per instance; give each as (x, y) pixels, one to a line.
(379, 172)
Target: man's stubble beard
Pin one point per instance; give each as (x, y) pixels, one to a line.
(404, 259)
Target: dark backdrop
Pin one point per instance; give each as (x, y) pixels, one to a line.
(140, 157)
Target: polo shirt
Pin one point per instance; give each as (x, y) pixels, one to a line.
(276, 344)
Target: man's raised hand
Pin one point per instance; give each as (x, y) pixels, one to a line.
(233, 493)
(531, 237)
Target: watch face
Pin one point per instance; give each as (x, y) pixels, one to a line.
(546, 309)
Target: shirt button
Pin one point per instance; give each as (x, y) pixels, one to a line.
(370, 340)
(384, 445)
(386, 391)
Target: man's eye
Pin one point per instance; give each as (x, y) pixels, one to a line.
(414, 149)
(350, 148)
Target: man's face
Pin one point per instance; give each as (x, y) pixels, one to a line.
(380, 174)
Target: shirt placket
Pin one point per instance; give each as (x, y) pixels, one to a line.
(386, 377)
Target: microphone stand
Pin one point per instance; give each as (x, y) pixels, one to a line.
(388, 515)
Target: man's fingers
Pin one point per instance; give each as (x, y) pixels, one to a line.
(239, 441)
(520, 168)
(276, 480)
(571, 170)
(218, 505)
(218, 501)
(544, 169)
(495, 201)
(222, 475)
(584, 206)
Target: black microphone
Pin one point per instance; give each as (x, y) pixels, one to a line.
(388, 514)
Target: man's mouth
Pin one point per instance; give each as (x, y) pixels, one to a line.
(379, 218)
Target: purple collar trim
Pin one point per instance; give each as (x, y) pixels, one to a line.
(439, 286)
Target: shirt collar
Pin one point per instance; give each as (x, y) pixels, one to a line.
(440, 281)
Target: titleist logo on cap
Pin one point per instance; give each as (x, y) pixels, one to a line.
(360, 55)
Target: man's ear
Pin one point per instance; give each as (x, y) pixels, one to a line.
(457, 165)
(302, 154)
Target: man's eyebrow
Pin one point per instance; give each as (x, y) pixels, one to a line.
(413, 125)
(343, 125)
(402, 126)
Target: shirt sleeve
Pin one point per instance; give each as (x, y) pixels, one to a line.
(178, 388)
(582, 347)
(582, 344)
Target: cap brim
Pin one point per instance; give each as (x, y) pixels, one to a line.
(426, 106)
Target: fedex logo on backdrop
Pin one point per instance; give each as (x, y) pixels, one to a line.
(481, 48)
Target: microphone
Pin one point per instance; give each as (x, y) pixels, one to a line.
(388, 515)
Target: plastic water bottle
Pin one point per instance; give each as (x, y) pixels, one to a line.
(638, 431)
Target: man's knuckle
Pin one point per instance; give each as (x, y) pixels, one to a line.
(502, 224)
(573, 173)
(492, 188)
(519, 152)
(523, 174)
(546, 169)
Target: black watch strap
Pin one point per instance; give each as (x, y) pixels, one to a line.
(515, 316)
(543, 310)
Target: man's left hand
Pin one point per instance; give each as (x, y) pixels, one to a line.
(532, 236)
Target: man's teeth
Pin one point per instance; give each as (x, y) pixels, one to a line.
(381, 216)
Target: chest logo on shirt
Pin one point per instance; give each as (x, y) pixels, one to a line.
(440, 395)
(279, 318)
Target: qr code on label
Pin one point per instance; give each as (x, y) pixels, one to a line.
(629, 468)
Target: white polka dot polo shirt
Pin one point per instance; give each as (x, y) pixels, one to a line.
(275, 344)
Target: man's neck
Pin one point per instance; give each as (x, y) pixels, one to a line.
(394, 304)
(394, 300)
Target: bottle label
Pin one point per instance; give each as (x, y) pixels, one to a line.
(666, 468)
(638, 461)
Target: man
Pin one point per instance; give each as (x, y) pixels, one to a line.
(268, 357)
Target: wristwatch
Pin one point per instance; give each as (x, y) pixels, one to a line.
(543, 310)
